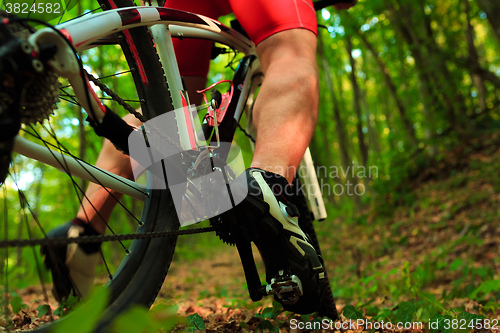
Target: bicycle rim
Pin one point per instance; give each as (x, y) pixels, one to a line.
(141, 273)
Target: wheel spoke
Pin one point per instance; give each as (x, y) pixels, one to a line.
(65, 135)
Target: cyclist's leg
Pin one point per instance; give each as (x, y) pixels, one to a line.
(98, 202)
(104, 200)
(193, 58)
(95, 210)
(285, 36)
(285, 116)
(288, 101)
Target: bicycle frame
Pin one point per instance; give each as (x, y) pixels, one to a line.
(164, 24)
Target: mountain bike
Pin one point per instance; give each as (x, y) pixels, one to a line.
(31, 61)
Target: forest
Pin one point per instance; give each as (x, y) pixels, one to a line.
(407, 153)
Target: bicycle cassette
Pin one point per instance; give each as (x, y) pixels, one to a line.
(40, 88)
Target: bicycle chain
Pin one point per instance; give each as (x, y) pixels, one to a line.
(119, 237)
(115, 97)
(100, 238)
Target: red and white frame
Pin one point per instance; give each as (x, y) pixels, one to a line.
(165, 24)
(85, 31)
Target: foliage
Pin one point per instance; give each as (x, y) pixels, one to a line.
(85, 318)
(195, 323)
(16, 303)
(161, 318)
(66, 306)
(405, 68)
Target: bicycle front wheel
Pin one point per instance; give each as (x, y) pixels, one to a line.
(136, 268)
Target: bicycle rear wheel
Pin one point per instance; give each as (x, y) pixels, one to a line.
(144, 262)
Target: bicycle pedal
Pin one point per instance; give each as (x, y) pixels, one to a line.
(285, 286)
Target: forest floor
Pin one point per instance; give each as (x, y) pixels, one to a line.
(446, 232)
(441, 246)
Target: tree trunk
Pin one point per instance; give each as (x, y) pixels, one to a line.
(428, 60)
(474, 59)
(371, 132)
(492, 10)
(447, 84)
(321, 149)
(322, 141)
(410, 130)
(363, 148)
(428, 91)
(340, 129)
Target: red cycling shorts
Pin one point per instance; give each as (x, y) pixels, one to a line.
(259, 18)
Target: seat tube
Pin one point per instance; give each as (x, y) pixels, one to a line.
(165, 49)
(313, 190)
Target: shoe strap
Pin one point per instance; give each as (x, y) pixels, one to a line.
(277, 183)
(87, 231)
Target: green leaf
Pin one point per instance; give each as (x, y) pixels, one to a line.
(305, 317)
(166, 315)
(266, 313)
(405, 311)
(482, 272)
(491, 306)
(266, 325)
(406, 275)
(434, 323)
(485, 288)
(270, 313)
(383, 314)
(67, 305)
(59, 311)
(85, 317)
(469, 321)
(464, 315)
(393, 271)
(456, 264)
(440, 324)
(195, 323)
(350, 312)
(371, 310)
(136, 319)
(42, 309)
(17, 304)
(277, 306)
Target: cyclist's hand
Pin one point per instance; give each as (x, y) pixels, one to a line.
(345, 5)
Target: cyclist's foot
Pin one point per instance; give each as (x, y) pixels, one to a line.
(73, 265)
(268, 218)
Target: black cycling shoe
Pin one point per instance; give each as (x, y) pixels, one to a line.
(72, 266)
(268, 218)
